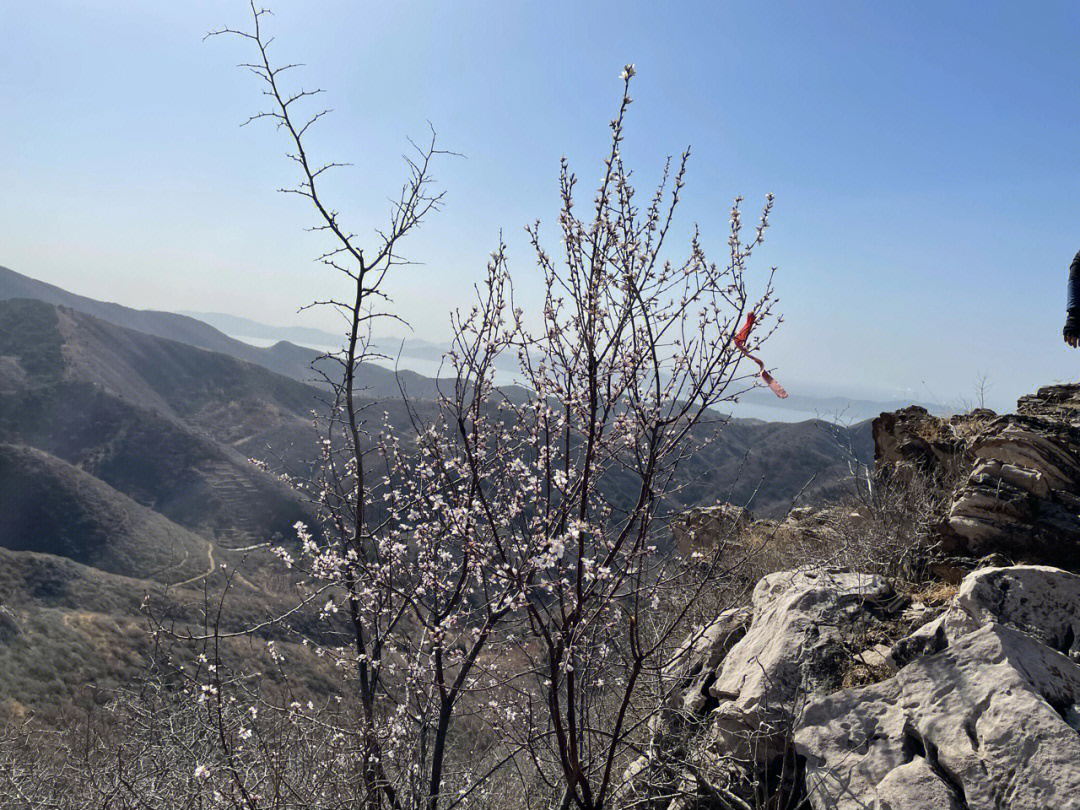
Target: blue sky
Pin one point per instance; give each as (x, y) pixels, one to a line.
(925, 158)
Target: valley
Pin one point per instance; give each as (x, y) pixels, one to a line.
(125, 439)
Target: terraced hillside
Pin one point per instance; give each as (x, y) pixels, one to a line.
(153, 419)
(119, 479)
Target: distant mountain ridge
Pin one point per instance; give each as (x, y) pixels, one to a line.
(834, 408)
(389, 347)
(236, 326)
(247, 411)
(124, 445)
(824, 404)
(171, 425)
(282, 358)
(162, 324)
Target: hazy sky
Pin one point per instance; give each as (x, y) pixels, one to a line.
(925, 158)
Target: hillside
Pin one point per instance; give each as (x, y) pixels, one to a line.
(71, 634)
(124, 471)
(160, 324)
(236, 403)
(153, 419)
(772, 466)
(52, 507)
(282, 358)
(171, 426)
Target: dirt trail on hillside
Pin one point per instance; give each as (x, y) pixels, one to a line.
(209, 568)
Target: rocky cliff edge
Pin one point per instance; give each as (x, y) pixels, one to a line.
(953, 684)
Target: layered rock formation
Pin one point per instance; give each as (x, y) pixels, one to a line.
(837, 690)
(1020, 491)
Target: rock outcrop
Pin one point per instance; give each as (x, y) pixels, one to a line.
(983, 713)
(1021, 492)
(802, 626)
(989, 722)
(1041, 601)
(692, 669)
(833, 691)
(738, 684)
(912, 437)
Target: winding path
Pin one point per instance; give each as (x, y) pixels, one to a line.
(209, 569)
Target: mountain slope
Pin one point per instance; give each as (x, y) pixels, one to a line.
(52, 507)
(175, 378)
(123, 470)
(238, 405)
(282, 358)
(153, 419)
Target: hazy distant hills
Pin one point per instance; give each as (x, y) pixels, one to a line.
(805, 401)
(282, 358)
(235, 325)
(124, 439)
(390, 347)
(160, 324)
(296, 348)
(221, 399)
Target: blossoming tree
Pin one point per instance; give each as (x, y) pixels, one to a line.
(493, 585)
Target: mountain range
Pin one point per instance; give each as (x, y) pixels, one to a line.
(125, 439)
(283, 357)
(422, 356)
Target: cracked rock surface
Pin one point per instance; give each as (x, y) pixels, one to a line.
(1039, 600)
(989, 722)
(795, 639)
(737, 685)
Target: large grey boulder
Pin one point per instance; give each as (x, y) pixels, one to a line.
(990, 722)
(796, 647)
(1040, 600)
(737, 685)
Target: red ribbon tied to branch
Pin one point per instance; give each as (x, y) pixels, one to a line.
(740, 343)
